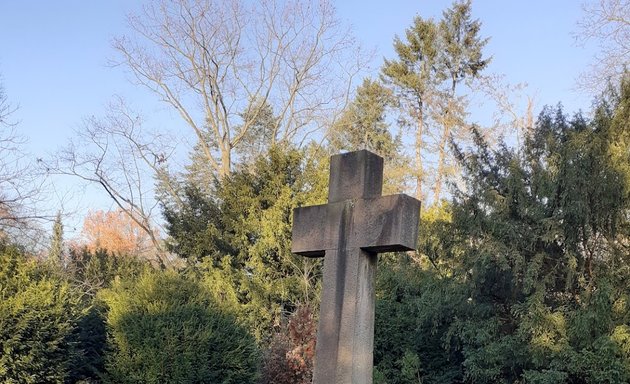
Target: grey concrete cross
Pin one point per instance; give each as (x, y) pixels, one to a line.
(355, 225)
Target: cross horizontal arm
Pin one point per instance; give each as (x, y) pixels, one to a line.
(309, 231)
(380, 224)
(386, 224)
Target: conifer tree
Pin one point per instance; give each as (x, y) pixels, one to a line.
(364, 125)
(432, 63)
(412, 76)
(241, 235)
(56, 253)
(166, 328)
(461, 59)
(39, 311)
(525, 277)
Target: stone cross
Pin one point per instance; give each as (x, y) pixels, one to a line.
(355, 225)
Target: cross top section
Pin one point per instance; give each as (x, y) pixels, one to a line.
(355, 175)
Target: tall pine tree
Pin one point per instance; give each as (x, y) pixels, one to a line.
(433, 61)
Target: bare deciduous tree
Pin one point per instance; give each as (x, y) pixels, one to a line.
(6, 109)
(513, 107)
(218, 63)
(20, 182)
(115, 153)
(607, 22)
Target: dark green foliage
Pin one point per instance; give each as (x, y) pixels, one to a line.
(241, 235)
(165, 328)
(363, 124)
(460, 45)
(543, 228)
(38, 314)
(90, 337)
(257, 208)
(525, 278)
(413, 307)
(434, 58)
(412, 75)
(91, 272)
(196, 228)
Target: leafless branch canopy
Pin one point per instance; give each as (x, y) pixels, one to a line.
(115, 153)
(219, 62)
(607, 22)
(20, 182)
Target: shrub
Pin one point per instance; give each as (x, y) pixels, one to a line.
(38, 314)
(165, 328)
(291, 353)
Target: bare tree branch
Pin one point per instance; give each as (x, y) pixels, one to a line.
(514, 107)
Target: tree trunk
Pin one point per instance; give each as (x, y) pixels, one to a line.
(418, 157)
(437, 189)
(226, 161)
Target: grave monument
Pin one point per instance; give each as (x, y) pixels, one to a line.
(355, 225)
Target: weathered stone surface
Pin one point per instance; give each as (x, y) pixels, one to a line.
(386, 224)
(381, 224)
(350, 230)
(355, 175)
(309, 235)
(345, 336)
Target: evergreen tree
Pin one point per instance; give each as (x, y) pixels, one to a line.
(460, 59)
(56, 246)
(432, 62)
(260, 131)
(525, 279)
(91, 272)
(364, 125)
(96, 270)
(38, 316)
(412, 76)
(241, 235)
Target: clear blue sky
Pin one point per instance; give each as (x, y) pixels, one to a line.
(53, 56)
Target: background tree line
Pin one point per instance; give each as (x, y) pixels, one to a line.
(521, 276)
